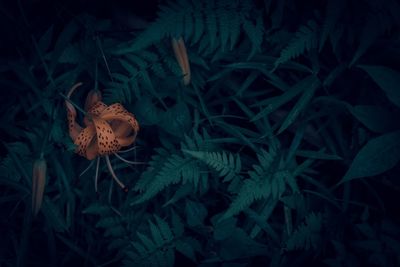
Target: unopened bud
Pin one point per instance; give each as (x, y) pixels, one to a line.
(180, 52)
(38, 183)
(92, 98)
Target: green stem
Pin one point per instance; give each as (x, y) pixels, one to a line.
(72, 103)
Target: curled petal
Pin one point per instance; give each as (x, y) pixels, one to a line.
(122, 119)
(106, 140)
(121, 128)
(126, 141)
(92, 150)
(95, 110)
(83, 141)
(73, 127)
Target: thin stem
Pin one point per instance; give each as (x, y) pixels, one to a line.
(113, 174)
(87, 168)
(96, 177)
(72, 103)
(127, 150)
(104, 57)
(128, 161)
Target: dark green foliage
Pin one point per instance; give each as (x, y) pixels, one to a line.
(283, 150)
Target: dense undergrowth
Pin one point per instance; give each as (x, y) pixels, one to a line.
(282, 150)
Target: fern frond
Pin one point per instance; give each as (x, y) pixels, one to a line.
(109, 220)
(133, 79)
(258, 186)
(333, 12)
(176, 169)
(224, 163)
(307, 235)
(250, 192)
(153, 249)
(210, 24)
(305, 39)
(255, 34)
(267, 180)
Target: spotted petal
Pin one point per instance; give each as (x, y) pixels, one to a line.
(84, 140)
(95, 110)
(106, 140)
(123, 121)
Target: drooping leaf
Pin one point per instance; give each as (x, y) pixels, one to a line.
(387, 79)
(375, 118)
(377, 156)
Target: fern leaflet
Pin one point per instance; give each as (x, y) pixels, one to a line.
(305, 39)
(224, 163)
(307, 235)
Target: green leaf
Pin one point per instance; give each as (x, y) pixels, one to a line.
(387, 79)
(224, 163)
(317, 155)
(375, 118)
(305, 39)
(377, 156)
(45, 41)
(54, 216)
(185, 249)
(195, 213)
(146, 112)
(224, 228)
(240, 245)
(300, 105)
(176, 120)
(164, 229)
(275, 102)
(307, 235)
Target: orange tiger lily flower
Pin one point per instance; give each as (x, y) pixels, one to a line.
(107, 128)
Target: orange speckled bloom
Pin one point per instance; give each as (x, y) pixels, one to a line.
(107, 128)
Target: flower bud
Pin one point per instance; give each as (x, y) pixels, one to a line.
(179, 48)
(38, 183)
(92, 98)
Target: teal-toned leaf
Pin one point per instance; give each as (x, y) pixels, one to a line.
(186, 249)
(307, 235)
(63, 42)
(182, 192)
(54, 216)
(177, 225)
(97, 208)
(156, 234)
(387, 79)
(146, 112)
(147, 242)
(164, 229)
(45, 41)
(239, 245)
(224, 228)
(195, 213)
(275, 102)
(377, 156)
(317, 155)
(177, 120)
(300, 105)
(375, 118)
